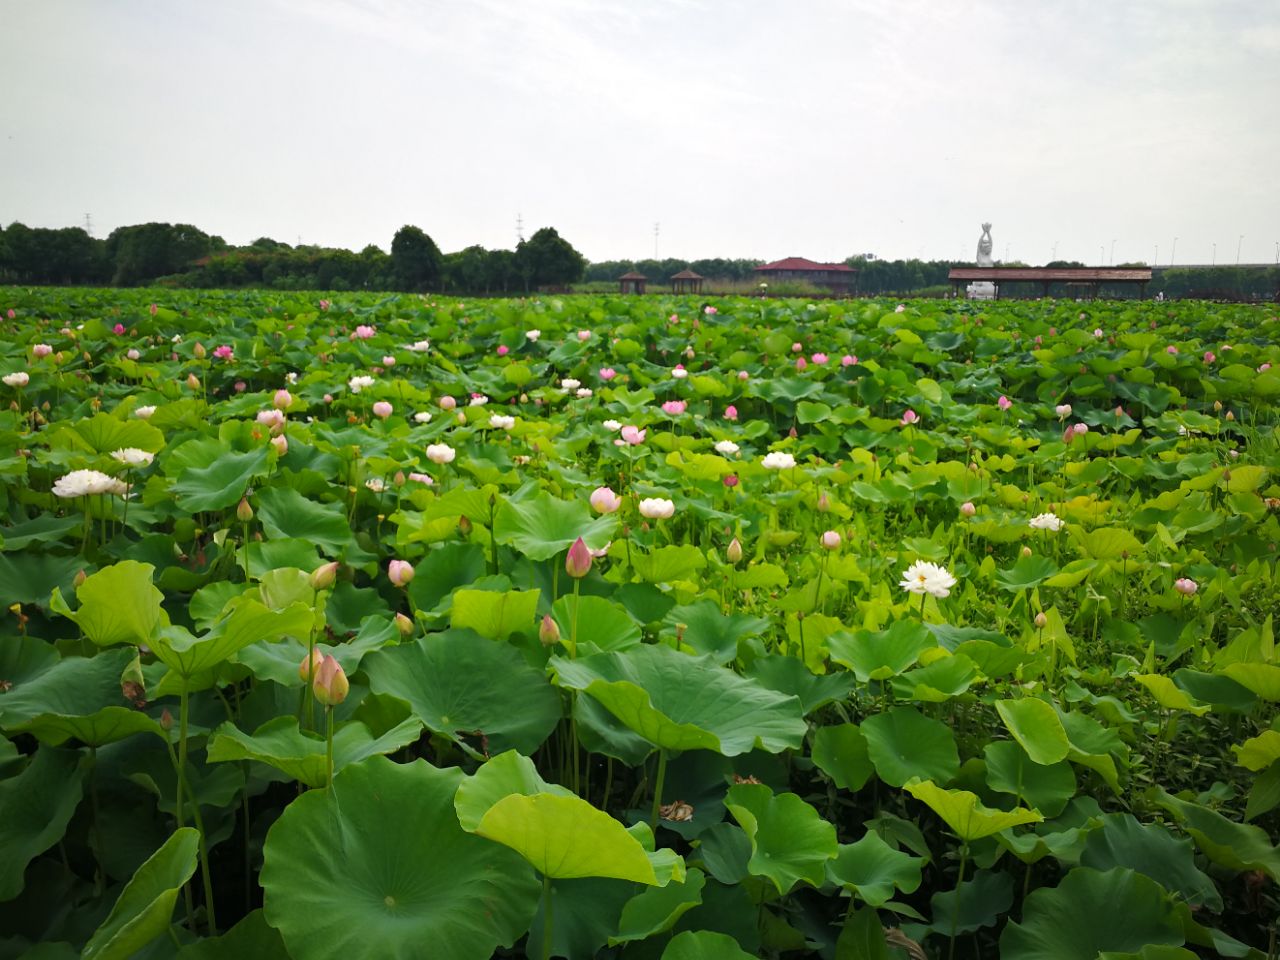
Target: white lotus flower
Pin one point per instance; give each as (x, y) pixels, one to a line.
(583, 393)
(778, 460)
(925, 577)
(133, 456)
(532, 335)
(1045, 521)
(440, 453)
(727, 447)
(376, 484)
(422, 416)
(360, 382)
(568, 383)
(421, 346)
(144, 413)
(656, 508)
(500, 422)
(84, 483)
(612, 425)
(19, 379)
(478, 400)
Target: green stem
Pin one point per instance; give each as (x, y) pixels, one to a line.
(657, 790)
(99, 877)
(547, 910)
(328, 723)
(182, 755)
(955, 913)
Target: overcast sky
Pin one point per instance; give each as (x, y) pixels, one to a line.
(817, 128)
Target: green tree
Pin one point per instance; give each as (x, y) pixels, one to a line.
(548, 260)
(416, 262)
(147, 251)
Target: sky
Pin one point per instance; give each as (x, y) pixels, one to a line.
(1089, 130)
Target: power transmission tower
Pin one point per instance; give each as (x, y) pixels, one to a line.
(519, 228)
(88, 224)
(656, 228)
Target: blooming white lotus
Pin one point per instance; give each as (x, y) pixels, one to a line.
(360, 382)
(778, 460)
(19, 379)
(657, 508)
(419, 346)
(501, 422)
(612, 425)
(924, 577)
(133, 456)
(727, 447)
(84, 483)
(440, 453)
(422, 416)
(144, 412)
(1046, 521)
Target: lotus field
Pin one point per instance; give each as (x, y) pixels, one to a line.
(401, 627)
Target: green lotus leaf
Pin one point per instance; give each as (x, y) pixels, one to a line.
(1028, 572)
(499, 777)
(681, 702)
(443, 570)
(251, 937)
(302, 757)
(709, 632)
(35, 808)
(31, 577)
(880, 654)
(790, 841)
(967, 817)
(1235, 845)
(668, 564)
(1036, 727)
(1169, 695)
(904, 744)
(70, 687)
(564, 837)
(941, 680)
(975, 903)
(279, 661)
(382, 851)
(248, 622)
(862, 936)
(286, 513)
(658, 909)
(704, 945)
(1107, 543)
(543, 526)
(787, 675)
(104, 432)
(1046, 787)
(840, 751)
(460, 684)
(145, 906)
(873, 869)
(220, 481)
(585, 914)
(1152, 850)
(118, 604)
(602, 624)
(1125, 912)
(1261, 678)
(493, 614)
(97, 729)
(1259, 752)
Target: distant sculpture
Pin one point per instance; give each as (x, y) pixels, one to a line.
(983, 289)
(984, 247)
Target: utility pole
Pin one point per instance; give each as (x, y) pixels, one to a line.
(1175, 251)
(88, 224)
(1214, 262)
(519, 228)
(1238, 245)
(1156, 261)
(656, 228)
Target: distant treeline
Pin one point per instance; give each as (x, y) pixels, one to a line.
(182, 255)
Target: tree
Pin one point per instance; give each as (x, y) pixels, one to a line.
(548, 260)
(146, 251)
(416, 262)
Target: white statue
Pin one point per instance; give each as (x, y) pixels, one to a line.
(984, 247)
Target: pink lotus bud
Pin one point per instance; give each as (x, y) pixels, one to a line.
(382, 409)
(578, 562)
(710, 311)
(909, 418)
(1063, 410)
(323, 576)
(330, 684)
(1171, 349)
(548, 631)
(1209, 357)
(796, 347)
(400, 572)
(607, 373)
(447, 403)
(731, 412)
(801, 363)
(152, 309)
(198, 351)
(1004, 403)
(41, 350)
(674, 408)
(604, 500)
(193, 381)
(282, 399)
(404, 625)
(281, 444)
(1041, 620)
(743, 375)
(244, 512)
(584, 335)
(824, 502)
(730, 480)
(1186, 586)
(1081, 429)
(118, 329)
(830, 540)
(967, 509)
(733, 553)
(310, 665)
(240, 386)
(633, 435)
(848, 360)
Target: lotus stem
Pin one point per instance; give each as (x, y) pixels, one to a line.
(955, 911)
(328, 724)
(657, 790)
(547, 910)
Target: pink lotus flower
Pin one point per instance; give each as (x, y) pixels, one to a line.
(731, 412)
(282, 399)
(133, 354)
(673, 408)
(830, 540)
(731, 480)
(796, 347)
(577, 563)
(607, 373)
(674, 318)
(848, 360)
(909, 418)
(388, 361)
(819, 358)
(710, 311)
(382, 409)
(447, 403)
(328, 398)
(1004, 403)
(801, 363)
(633, 435)
(1209, 357)
(363, 332)
(324, 304)
(584, 335)
(224, 352)
(43, 350)
(1186, 586)
(1171, 349)
(604, 500)
(743, 375)
(421, 478)
(1081, 429)
(118, 329)
(240, 386)
(400, 572)
(967, 509)
(12, 314)
(503, 349)
(1264, 368)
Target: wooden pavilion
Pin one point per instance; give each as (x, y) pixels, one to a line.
(632, 282)
(686, 281)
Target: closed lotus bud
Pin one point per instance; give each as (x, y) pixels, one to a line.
(1026, 551)
(548, 631)
(401, 572)
(330, 684)
(404, 625)
(1217, 406)
(1041, 620)
(830, 540)
(322, 577)
(193, 381)
(281, 444)
(310, 665)
(244, 512)
(80, 578)
(734, 551)
(465, 526)
(967, 509)
(199, 351)
(578, 562)
(1230, 416)
(166, 720)
(132, 683)
(824, 502)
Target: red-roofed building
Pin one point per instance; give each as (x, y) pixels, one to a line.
(836, 277)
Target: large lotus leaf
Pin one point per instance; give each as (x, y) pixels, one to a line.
(1107, 543)
(903, 744)
(1169, 695)
(249, 622)
(708, 631)
(790, 841)
(497, 778)
(840, 751)
(30, 577)
(459, 684)
(301, 756)
(967, 817)
(377, 868)
(681, 702)
(862, 937)
(1261, 678)
(585, 915)
(880, 654)
(40, 529)
(543, 526)
(1152, 850)
(872, 869)
(1035, 725)
(667, 564)
(599, 731)
(145, 906)
(1090, 912)
(1258, 753)
(108, 725)
(941, 680)
(1236, 845)
(704, 945)
(443, 570)
(788, 675)
(285, 512)
(975, 903)
(1047, 788)
(603, 625)
(251, 937)
(565, 838)
(35, 808)
(495, 614)
(71, 687)
(118, 604)
(1028, 572)
(279, 661)
(221, 482)
(657, 909)
(105, 432)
